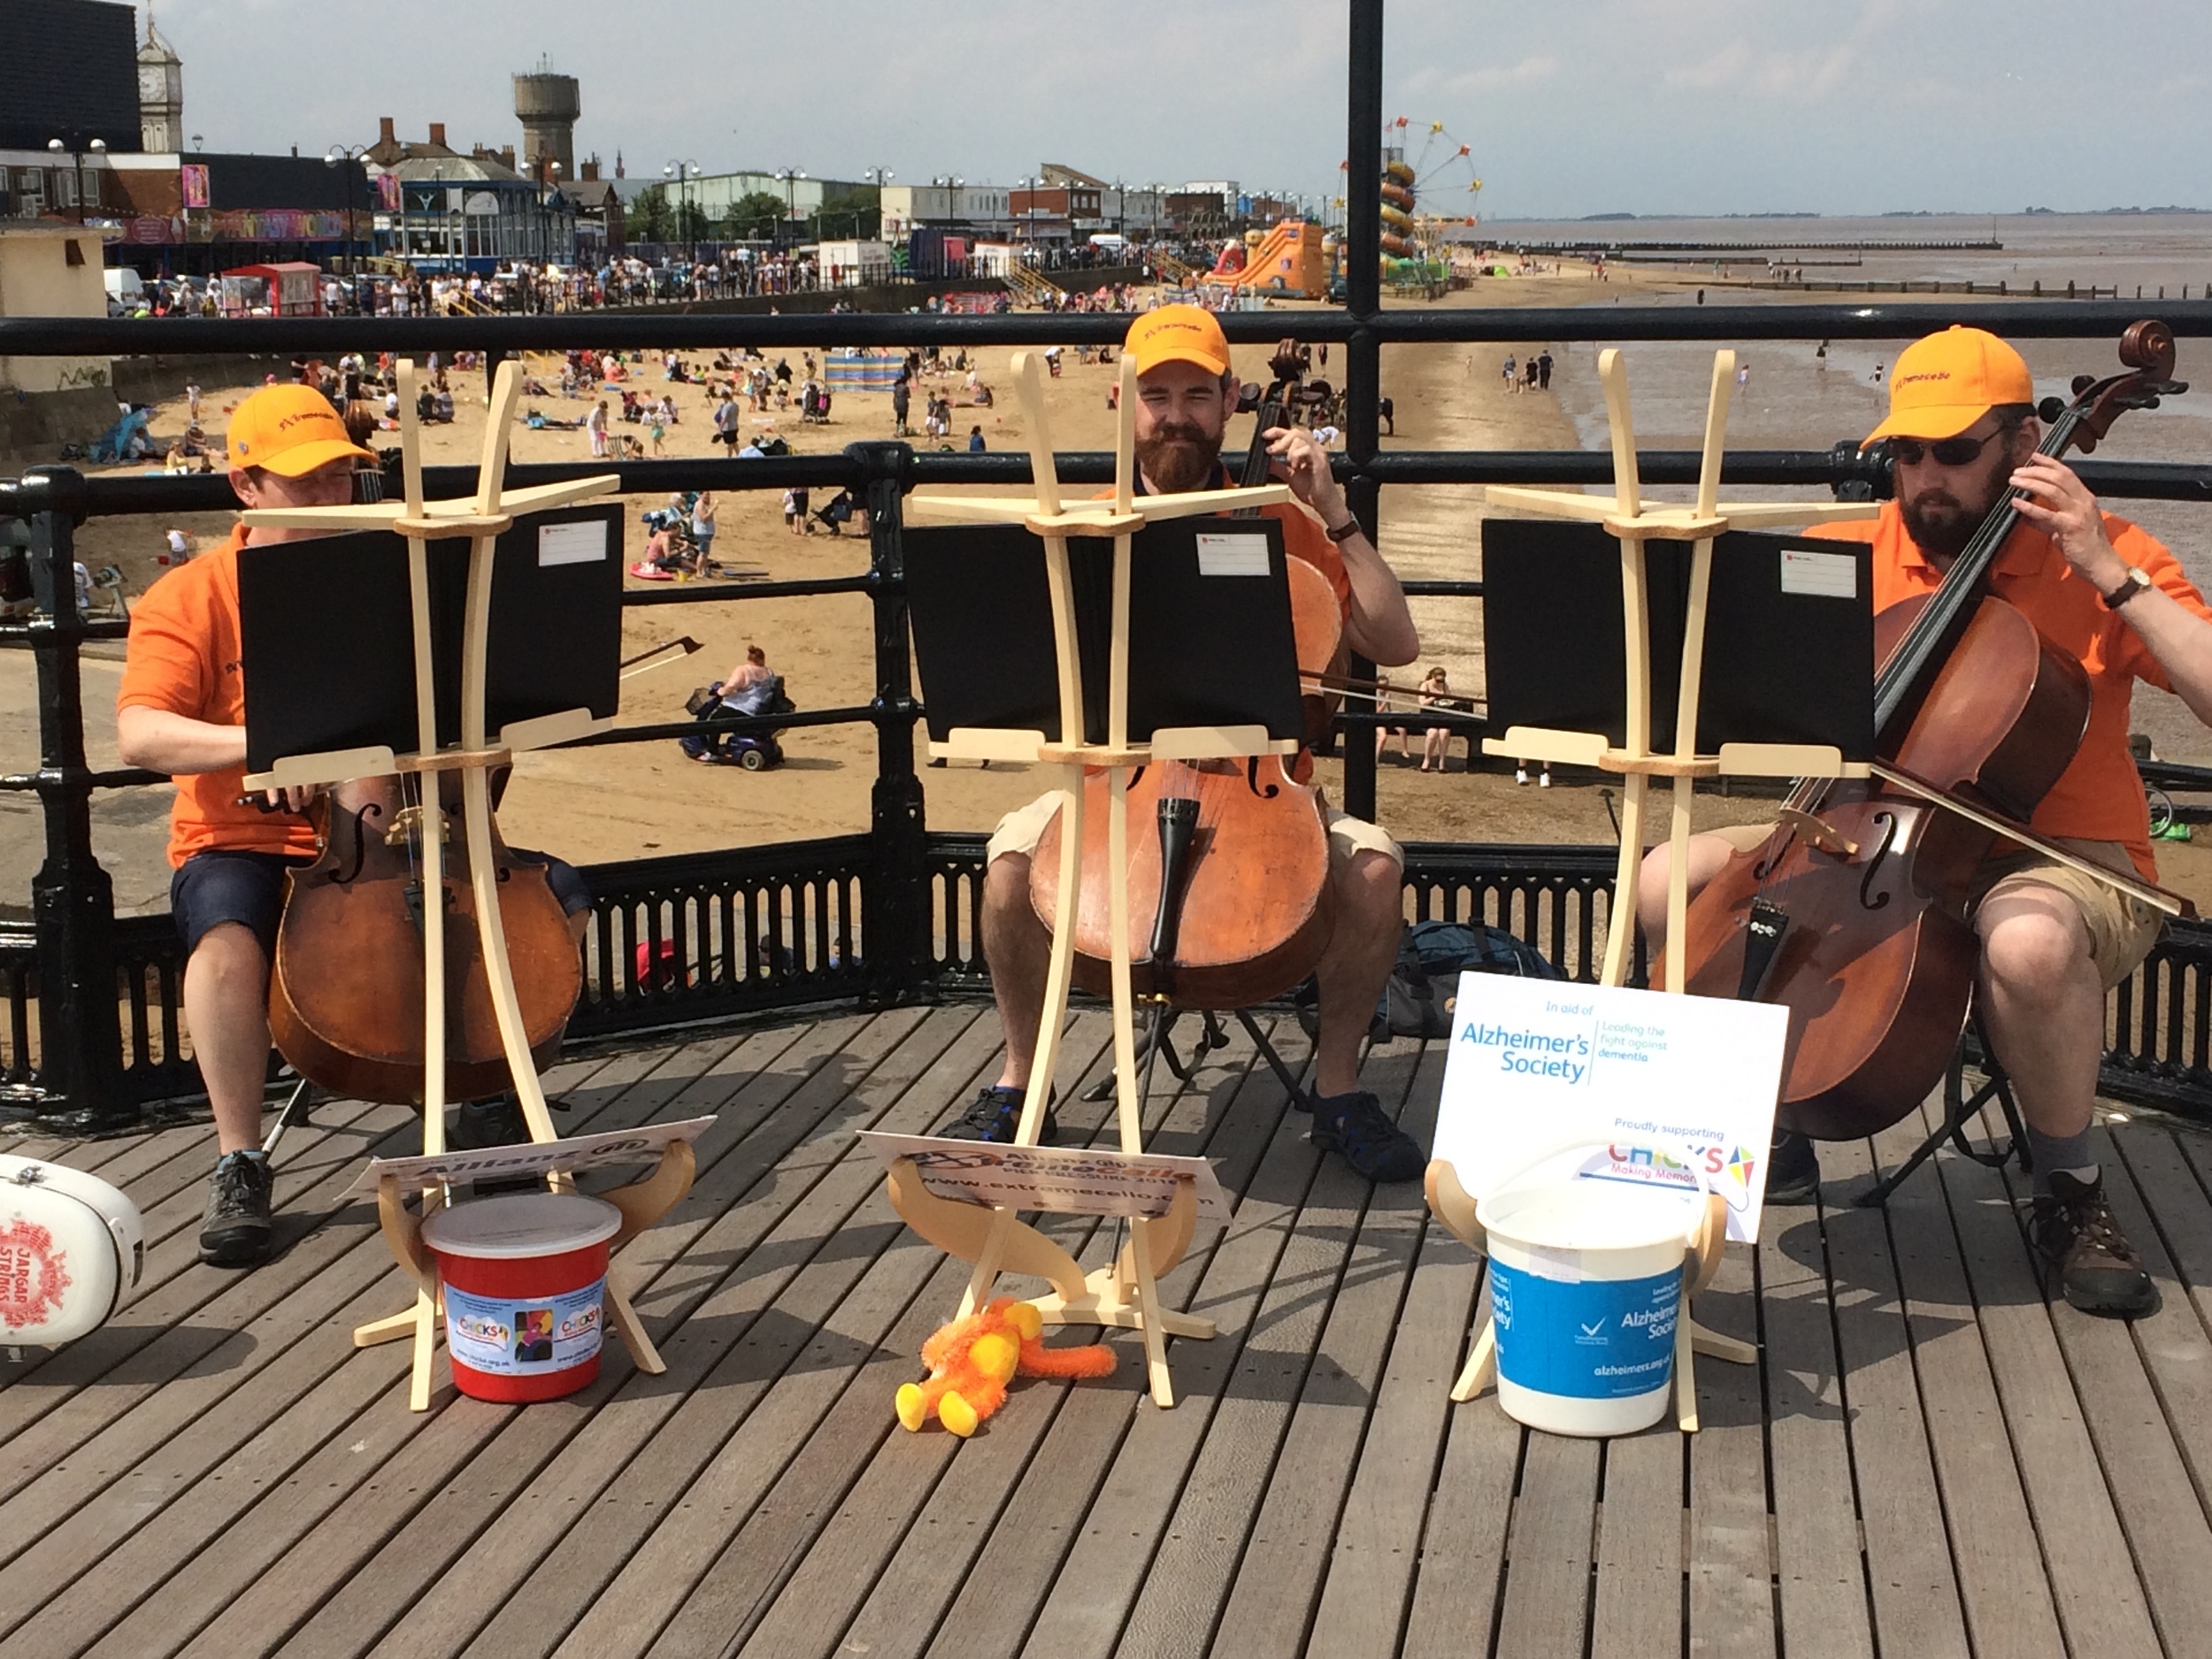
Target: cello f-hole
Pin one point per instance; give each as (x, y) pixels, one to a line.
(1252, 779)
(360, 852)
(1870, 900)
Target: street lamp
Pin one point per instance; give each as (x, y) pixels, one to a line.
(98, 146)
(788, 177)
(349, 156)
(683, 172)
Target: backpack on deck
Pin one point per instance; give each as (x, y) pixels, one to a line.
(1423, 982)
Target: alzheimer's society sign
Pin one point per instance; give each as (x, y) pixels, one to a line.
(1535, 1065)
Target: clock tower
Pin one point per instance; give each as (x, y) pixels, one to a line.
(160, 93)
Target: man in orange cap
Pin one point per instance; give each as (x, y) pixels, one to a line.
(181, 711)
(1185, 393)
(1963, 431)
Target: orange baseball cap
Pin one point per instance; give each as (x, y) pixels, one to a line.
(290, 430)
(1177, 333)
(1945, 383)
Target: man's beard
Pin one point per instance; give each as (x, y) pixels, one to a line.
(1177, 458)
(1941, 524)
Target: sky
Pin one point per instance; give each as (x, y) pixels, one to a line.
(1572, 108)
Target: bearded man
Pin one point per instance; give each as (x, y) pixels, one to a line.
(1962, 430)
(1185, 392)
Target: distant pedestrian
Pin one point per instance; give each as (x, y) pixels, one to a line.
(1877, 374)
(1510, 372)
(1543, 372)
(1743, 375)
(902, 401)
(975, 441)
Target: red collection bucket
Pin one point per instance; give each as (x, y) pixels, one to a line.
(525, 1278)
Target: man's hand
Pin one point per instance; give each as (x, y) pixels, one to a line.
(1301, 462)
(2059, 505)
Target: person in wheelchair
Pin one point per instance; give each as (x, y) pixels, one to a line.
(751, 688)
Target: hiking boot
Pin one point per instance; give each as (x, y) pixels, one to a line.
(2073, 1233)
(236, 1231)
(994, 1116)
(1792, 1170)
(483, 1123)
(1356, 1126)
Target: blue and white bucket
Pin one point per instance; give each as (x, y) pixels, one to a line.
(1586, 1288)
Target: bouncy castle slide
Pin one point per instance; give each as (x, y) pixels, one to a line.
(1287, 261)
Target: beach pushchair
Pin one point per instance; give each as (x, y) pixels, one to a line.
(753, 752)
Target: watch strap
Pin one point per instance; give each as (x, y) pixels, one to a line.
(2137, 580)
(1343, 532)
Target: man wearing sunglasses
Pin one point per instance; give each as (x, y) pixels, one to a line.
(1962, 430)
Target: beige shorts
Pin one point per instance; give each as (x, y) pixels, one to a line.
(2122, 930)
(1019, 830)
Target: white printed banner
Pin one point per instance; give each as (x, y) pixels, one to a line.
(1068, 1181)
(1536, 1064)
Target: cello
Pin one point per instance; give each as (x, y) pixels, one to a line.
(1230, 904)
(346, 984)
(1853, 913)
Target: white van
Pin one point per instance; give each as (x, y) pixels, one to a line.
(125, 292)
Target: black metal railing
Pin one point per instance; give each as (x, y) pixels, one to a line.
(92, 1029)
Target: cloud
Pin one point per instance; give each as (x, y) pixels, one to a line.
(1495, 77)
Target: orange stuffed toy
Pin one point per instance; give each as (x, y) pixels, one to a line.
(971, 1359)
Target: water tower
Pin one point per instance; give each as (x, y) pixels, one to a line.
(548, 105)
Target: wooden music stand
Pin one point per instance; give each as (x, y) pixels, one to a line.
(1633, 521)
(483, 519)
(1125, 1293)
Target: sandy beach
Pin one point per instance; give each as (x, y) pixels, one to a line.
(598, 804)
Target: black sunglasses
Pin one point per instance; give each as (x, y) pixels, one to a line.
(1944, 451)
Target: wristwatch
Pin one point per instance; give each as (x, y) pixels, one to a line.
(2137, 580)
(1343, 532)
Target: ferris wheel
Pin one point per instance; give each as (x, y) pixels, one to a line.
(1424, 194)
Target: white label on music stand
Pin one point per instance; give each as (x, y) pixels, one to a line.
(1232, 554)
(1822, 575)
(582, 542)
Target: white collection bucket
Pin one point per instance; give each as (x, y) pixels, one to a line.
(1586, 1288)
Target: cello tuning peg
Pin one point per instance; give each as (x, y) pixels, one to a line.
(2083, 382)
(2051, 408)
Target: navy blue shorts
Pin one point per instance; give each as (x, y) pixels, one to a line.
(220, 885)
(564, 878)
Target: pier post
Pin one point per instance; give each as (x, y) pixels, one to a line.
(73, 900)
(1363, 353)
(895, 893)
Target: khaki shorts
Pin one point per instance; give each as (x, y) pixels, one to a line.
(2122, 930)
(1019, 831)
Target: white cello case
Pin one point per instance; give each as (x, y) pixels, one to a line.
(72, 1249)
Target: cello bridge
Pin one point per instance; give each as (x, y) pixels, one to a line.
(1818, 832)
(407, 827)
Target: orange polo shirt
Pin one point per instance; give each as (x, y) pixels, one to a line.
(183, 656)
(2100, 796)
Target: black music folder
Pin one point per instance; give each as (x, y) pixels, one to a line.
(1789, 636)
(1210, 629)
(327, 634)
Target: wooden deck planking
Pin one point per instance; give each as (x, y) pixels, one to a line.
(931, 1489)
(1995, 1551)
(144, 1460)
(334, 1404)
(1225, 1487)
(758, 1558)
(1819, 1565)
(238, 1479)
(459, 1504)
(1911, 1582)
(2100, 1607)
(1067, 1553)
(298, 1567)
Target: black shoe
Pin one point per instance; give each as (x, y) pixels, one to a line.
(1355, 1125)
(994, 1116)
(236, 1231)
(1792, 1170)
(483, 1123)
(2072, 1231)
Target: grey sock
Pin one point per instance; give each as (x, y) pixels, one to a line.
(2069, 1153)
